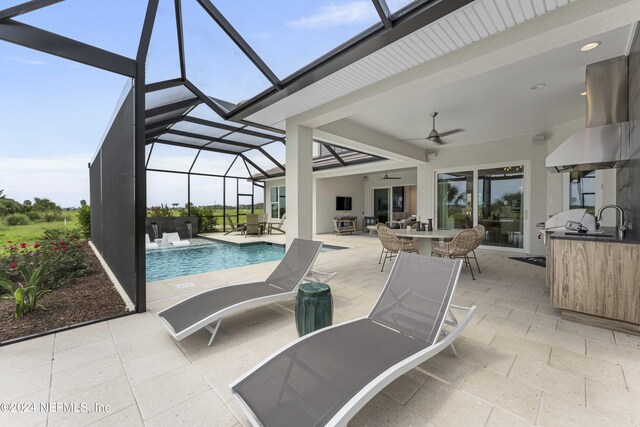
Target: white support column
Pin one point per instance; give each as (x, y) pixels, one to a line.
(299, 182)
(424, 190)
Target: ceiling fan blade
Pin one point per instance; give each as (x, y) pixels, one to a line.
(394, 177)
(415, 139)
(451, 132)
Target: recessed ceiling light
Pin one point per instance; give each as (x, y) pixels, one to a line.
(589, 46)
(583, 93)
(538, 86)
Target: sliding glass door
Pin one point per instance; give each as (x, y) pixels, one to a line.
(491, 196)
(455, 200)
(381, 204)
(500, 205)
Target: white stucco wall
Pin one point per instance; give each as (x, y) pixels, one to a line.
(326, 191)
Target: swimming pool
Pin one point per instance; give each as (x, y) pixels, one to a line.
(205, 255)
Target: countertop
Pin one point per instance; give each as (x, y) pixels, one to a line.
(606, 230)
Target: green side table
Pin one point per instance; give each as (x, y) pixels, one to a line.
(314, 307)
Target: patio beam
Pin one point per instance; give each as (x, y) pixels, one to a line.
(192, 147)
(63, 47)
(352, 136)
(26, 7)
(180, 105)
(270, 157)
(210, 139)
(140, 180)
(334, 154)
(180, 34)
(258, 168)
(383, 12)
(211, 175)
(231, 128)
(151, 127)
(166, 84)
(215, 106)
(239, 41)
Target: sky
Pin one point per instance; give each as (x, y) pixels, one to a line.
(54, 112)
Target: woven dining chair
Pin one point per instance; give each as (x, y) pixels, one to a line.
(479, 229)
(464, 242)
(391, 244)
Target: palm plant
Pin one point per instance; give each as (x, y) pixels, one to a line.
(27, 295)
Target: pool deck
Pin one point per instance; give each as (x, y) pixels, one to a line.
(519, 364)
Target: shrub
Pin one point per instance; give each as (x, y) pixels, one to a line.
(51, 216)
(41, 204)
(27, 295)
(62, 250)
(9, 206)
(206, 221)
(34, 216)
(62, 234)
(16, 219)
(162, 210)
(84, 219)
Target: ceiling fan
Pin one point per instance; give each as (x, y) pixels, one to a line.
(434, 135)
(386, 177)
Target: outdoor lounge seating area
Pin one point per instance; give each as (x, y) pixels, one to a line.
(518, 363)
(258, 160)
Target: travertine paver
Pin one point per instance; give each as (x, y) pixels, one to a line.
(518, 363)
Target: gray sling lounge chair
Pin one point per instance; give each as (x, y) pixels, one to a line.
(326, 377)
(206, 310)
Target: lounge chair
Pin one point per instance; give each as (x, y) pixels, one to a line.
(234, 227)
(207, 309)
(277, 226)
(174, 240)
(149, 243)
(326, 377)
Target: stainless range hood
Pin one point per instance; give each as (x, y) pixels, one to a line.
(604, 143)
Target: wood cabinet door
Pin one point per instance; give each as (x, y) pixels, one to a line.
(598, 278)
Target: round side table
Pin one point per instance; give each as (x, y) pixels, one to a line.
(314, 307)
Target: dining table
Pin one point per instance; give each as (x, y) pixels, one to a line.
(425, 237)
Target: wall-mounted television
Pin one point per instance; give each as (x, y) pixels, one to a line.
(343, 203)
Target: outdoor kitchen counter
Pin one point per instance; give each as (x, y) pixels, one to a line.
(590, 237)
(595, 280)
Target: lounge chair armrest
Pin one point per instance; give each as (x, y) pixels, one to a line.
(320, 276)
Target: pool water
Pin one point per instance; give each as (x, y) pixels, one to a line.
(204, 256)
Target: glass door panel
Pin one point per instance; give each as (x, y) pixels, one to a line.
(455, 200)
(500, 205)
(381, 205)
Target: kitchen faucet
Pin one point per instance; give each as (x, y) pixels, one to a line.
(621, 224)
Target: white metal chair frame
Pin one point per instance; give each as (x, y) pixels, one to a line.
(212, 322)
(387, 377)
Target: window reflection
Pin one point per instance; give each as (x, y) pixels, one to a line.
(455, 200)
(500, 205)
(582, 191)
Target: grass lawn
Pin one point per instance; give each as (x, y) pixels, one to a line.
(31, 232)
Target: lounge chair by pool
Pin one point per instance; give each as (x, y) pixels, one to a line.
(206, 310)
(326, 377)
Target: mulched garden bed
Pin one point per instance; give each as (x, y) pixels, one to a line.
(87, 298)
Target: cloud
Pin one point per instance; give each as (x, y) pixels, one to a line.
(28, 61)
(63, 179)
(336, 14)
